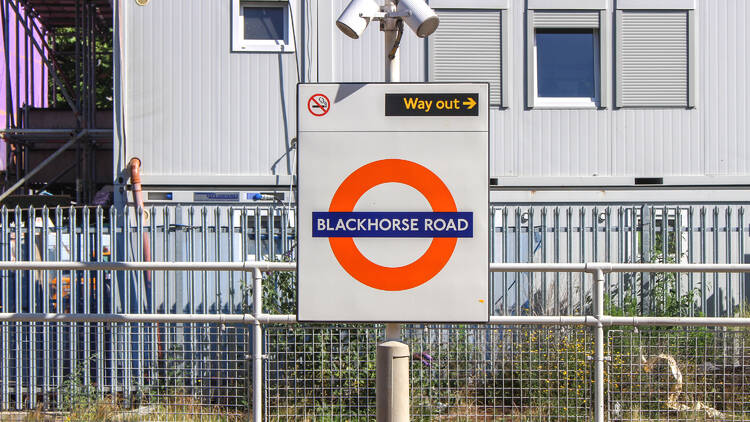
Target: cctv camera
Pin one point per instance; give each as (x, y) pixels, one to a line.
(356, 16)
(422, 19)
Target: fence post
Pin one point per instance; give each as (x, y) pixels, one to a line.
(257, 346)
(599, 345)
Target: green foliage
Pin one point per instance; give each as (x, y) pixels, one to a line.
(65, 40)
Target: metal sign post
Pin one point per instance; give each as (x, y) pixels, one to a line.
(392, 204)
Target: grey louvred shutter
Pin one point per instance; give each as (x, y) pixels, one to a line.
(467, 47)
(652, 59)
(544, 19)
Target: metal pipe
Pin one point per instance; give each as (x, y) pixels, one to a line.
(257, 346)
(560, 320)
(138, 318)
(43, 164)
(153, 266)
(599, 346)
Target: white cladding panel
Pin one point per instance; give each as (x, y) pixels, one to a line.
(191, 106)
(193, 110)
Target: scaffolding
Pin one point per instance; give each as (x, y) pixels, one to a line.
(59, 140)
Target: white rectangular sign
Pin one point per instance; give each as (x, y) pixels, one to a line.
(393, 202)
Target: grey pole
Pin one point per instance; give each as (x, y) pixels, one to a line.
(392, 358)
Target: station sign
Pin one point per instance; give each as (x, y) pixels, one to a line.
(393, 202)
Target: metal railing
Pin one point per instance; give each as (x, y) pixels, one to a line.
(133, 350)
(664, 233)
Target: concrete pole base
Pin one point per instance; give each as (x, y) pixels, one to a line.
(392, 382)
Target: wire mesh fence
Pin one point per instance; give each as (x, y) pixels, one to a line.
(457, 373)
(202, 372)
(189, 372)
(695, 374)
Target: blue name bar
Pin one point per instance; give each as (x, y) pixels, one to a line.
(393, 224)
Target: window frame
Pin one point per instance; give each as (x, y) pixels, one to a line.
(240, 44)
(569, 102)
(601, 54)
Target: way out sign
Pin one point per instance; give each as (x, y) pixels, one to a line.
(393, 203)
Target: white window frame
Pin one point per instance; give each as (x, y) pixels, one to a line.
(601, 55)
(569, 102)
(240, 44)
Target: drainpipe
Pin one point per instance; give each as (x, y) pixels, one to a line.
(135, 179)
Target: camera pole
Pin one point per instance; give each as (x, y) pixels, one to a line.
(392, 360)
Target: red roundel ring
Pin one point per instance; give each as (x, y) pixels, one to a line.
(346, 251)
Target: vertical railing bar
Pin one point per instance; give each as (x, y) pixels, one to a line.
(621, 255)
(556, 217)
(715, 238)
(704, 289)
(271, 233)
(140, 297)
(59, 292)
(246, 282)
(217, 245)
(608, 247)
(127, 307)
(678, 251)
(492, 258)
(530, 257)
(517, 252)
(230, 249)
(690, 257)
(166, 218)
(204, 252)
(32, 283)
(151, 291)
(5, 251)
(100, 285)
(257, 230)
(86, 248)
(193, 359)
(728, 252)
(45, 308)
(634, 230)
(19, 308)
(113, 300)
(569, 251)
(505, 259)
(74, 308)
(741, 254)
(582, 256)
(543, 237)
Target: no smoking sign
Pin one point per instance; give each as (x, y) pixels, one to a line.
(393, 211)
(318, 105)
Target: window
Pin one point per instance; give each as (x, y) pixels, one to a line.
(566, 54)
(567, 67)
(469, 45)
(261, 26)
(655, 54)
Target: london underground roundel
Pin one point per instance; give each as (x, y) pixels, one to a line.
(386, 224)
(393, 210)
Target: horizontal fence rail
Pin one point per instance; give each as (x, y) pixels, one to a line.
(124, 357)
(674, 233)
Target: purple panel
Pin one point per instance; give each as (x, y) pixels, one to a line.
(28, 76)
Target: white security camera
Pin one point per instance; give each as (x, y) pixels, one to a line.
(419, 16)
(356, 16)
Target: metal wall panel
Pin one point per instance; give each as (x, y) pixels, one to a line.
(191, 107)
(723, 69)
